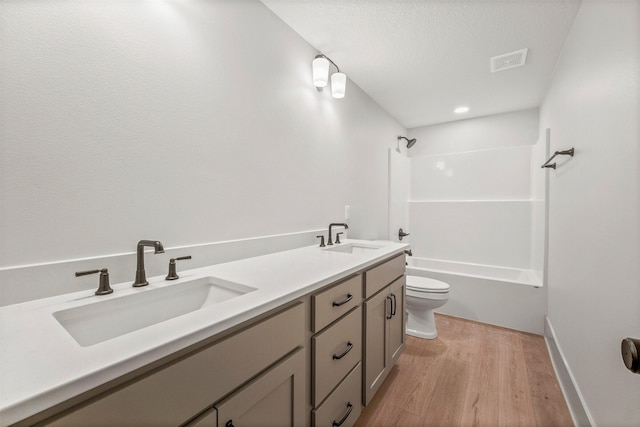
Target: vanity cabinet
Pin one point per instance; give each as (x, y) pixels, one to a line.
(384, 322)
(267, 360)
(273, 399)
(315, 360)
(336, 390)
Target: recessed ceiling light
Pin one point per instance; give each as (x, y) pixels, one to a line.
(461, 110)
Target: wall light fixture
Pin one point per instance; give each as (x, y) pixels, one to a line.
(320, 65)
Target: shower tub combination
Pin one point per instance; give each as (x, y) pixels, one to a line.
(508, 297)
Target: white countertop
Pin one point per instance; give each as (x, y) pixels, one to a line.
(41, 365)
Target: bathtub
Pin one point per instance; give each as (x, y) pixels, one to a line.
(508, 297)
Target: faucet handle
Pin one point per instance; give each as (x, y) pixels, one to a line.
(338, 238)
(172, 275)
(103, 287)
(322, 245)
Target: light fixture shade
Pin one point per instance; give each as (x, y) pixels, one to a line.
(320, 71)
(338, 85)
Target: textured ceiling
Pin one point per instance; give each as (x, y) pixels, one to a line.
(421, 59)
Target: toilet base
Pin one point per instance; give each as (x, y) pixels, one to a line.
(423, 326)
(423, 335)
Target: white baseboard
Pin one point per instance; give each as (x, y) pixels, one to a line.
(573, 396)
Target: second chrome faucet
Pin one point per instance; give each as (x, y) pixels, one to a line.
(141, 276)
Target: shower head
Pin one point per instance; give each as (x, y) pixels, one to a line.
(410, 142)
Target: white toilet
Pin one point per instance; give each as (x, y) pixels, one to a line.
(423, 296)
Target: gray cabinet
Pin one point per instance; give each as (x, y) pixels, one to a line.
(336, 391)
(314, 360)
(376, 335)
(397, 326)
(180, 390)
(343, 407)
(273, 399)
(384, 323)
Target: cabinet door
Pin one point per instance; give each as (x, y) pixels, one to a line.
(208, 419)
(275, 398)
(376, 359)
(397, 321)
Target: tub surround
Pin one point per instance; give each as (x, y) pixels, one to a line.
(475, 210)
(42, 365)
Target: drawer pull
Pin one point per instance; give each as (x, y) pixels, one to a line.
(394, 304)
(343, 302)
(344, 353)
(339, 423)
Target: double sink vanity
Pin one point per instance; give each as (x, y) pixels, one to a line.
(297, 338)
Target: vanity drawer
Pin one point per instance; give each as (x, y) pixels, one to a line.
(332, 303)
(344, 404)
(336, 351)
(380, 276)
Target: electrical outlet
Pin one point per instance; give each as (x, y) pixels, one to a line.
(347, 212)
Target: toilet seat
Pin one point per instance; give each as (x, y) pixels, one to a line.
(426, 285)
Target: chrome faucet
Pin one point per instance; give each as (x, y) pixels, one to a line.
(141, 277)
(335, 224)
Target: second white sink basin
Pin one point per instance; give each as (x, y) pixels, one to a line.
(354, 248)
(103, 320)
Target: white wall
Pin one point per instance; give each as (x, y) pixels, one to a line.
(187, 122)
(471, 197)
(500, 130)
(593, 104)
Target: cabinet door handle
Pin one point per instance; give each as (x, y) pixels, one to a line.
(229, 424)
(343, 302)
(344, 353)
(394, 304)
(390, 312)
(339, 423)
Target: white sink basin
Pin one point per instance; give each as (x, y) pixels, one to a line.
(354, 248)
(103, 320)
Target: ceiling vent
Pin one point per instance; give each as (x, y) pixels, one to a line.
(508, 60)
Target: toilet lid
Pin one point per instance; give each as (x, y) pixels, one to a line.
(425, 284)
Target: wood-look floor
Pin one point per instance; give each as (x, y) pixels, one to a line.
(473, 374)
